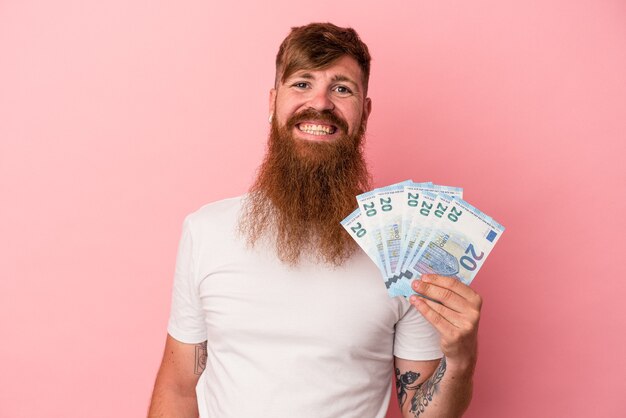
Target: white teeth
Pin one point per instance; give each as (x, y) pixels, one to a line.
(316, 129)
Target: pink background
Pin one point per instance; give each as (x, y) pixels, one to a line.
(117, 118)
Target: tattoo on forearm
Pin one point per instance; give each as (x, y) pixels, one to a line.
(425, 392)
(200, 362)
(405, 381)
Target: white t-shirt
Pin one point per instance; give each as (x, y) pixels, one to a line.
(308, 341)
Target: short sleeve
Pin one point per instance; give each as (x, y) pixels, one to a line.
(186, 322)
(415, 338)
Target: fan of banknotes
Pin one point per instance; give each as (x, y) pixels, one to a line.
(408, 229)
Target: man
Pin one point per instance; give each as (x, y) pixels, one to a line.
(275, 311)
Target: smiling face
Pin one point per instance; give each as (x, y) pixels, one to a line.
(322, 105)
(314, 165)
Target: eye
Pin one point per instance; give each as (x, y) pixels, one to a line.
(343, 90)
(300, 85)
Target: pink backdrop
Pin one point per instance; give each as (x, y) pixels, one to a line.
(117, 118)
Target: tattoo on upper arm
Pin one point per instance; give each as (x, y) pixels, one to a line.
(201, 353)
(405, 381)
(425, 392)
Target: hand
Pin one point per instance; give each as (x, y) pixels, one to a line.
(456, 317)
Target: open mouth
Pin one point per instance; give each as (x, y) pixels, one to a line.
(316, 129)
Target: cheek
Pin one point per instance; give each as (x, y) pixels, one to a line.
(354, 119)
(287, 101)
(285, 110)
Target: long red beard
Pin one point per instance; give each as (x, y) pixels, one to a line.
(303, 191)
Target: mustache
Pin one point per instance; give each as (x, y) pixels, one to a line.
(326, 116)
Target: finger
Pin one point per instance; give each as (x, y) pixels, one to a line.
(441, 324)
(442, 295)
(450, 283)
(453, 317)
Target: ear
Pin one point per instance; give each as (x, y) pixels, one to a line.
(272, 103)
(367, 109)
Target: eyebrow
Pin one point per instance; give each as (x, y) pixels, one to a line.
(340, 77)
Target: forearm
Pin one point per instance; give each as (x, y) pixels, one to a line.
(174, 392)
(447, 393)
(171, 402)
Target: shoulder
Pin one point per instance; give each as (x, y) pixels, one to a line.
(216, 217)
(216, 212)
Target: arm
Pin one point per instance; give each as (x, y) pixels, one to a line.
(447, 391)
(426, 390)
(174, 392)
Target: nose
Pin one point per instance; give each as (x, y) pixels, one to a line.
(321, 100)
